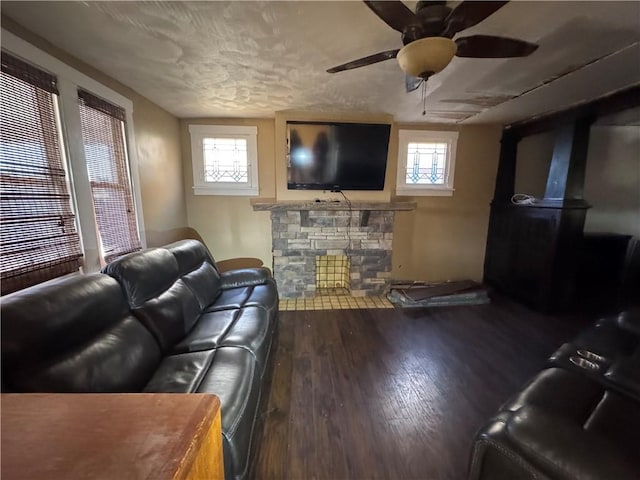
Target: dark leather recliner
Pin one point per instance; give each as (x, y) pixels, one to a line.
(578, 419)
(159, 320)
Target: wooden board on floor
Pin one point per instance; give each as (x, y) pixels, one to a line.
(422, 292)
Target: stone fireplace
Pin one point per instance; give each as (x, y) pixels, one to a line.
(303, 232)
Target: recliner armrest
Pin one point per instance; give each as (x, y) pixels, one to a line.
(245, 277)
(630, 320)
(534, 442)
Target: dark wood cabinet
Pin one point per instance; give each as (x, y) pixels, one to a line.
(532, 253)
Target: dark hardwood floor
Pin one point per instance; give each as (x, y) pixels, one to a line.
(396, 394)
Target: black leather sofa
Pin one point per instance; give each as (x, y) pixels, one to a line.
(579, 419)
(159, 320)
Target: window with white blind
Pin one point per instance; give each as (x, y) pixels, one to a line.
(70, 197)
(38, 238)
(426, 162)
(104, 145)
(225, 160)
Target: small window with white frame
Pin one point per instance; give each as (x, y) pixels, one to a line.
(426, 162)
(225, 160)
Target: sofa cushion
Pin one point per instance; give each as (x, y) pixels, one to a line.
(232, 298)
(263, 296)
(230, 373)
(205, 284)
(249, 327)
(170, 315)
(198, 270)
(245, 277)
(208, 332)
(217, 291)
(190, 254)
(252, 331)
(233, 377)
(182, 373)
(145, 274)
(75, 335)
(156, 294)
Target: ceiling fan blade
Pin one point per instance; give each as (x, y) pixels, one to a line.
(412, 83)
(394, 13)
(362, 62)
(487, 46)
(468, 14)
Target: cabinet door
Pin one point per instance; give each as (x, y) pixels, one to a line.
(533, 256)
(499, 248)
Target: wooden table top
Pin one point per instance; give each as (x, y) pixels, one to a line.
(102, 436)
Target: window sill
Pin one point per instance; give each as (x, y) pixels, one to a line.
(234, 191)
(424, 192)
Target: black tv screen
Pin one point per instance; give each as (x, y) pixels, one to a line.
(336, 156)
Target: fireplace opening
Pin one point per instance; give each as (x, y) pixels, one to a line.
(332, 275)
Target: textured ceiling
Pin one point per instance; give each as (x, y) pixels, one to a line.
(250, 59)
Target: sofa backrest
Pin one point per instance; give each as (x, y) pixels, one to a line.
(197, 269)
(75, 334)
(157, 295)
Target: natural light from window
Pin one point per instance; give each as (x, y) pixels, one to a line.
(426, 162)
(225, 160)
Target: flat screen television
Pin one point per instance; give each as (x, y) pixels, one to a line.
(336, 156)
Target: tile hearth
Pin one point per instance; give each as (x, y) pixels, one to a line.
(333, 302)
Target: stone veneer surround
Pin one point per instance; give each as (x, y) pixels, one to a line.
(300, 232)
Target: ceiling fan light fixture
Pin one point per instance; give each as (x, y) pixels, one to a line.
(426, 56)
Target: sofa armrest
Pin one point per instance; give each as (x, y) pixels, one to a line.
(245, 277)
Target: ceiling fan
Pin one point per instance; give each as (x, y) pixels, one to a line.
(427, 37)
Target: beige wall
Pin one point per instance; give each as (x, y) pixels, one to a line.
(612, 180)
(445, 238)
(227, 224)
(158, 148)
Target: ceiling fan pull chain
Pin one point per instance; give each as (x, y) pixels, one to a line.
(424, 97)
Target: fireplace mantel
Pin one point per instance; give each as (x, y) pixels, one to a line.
(273, 205)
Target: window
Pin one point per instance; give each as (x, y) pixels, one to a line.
(426, 162)
(38, 239)
(104, 148)
(225, 160)
(68, 169)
